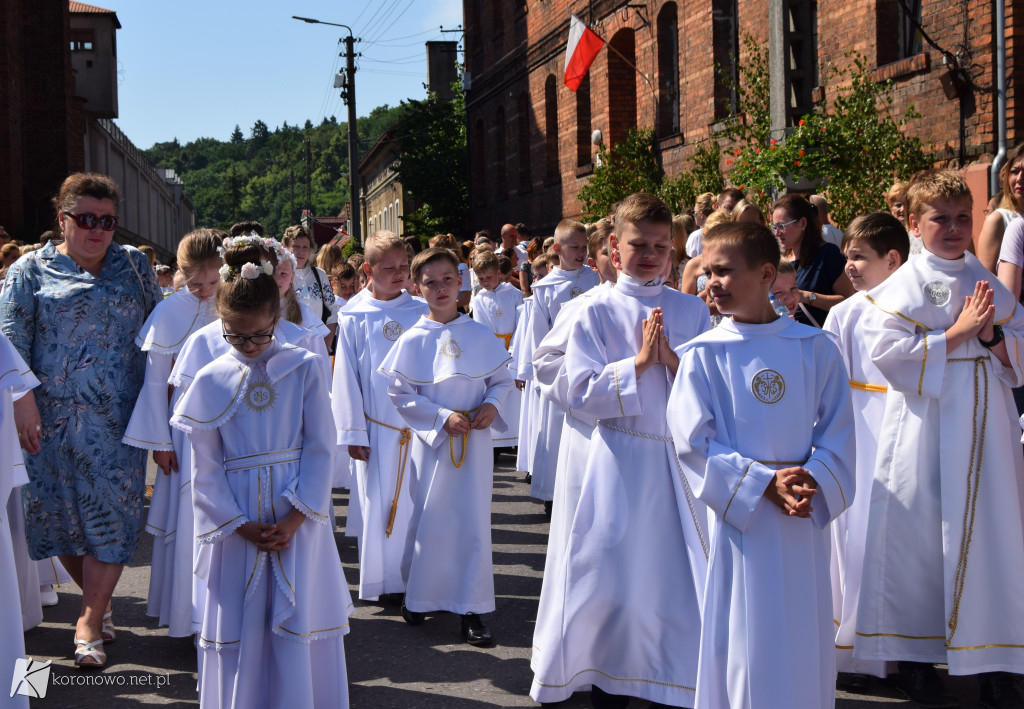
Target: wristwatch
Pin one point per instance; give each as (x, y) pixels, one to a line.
(997, 337)
(811, 296)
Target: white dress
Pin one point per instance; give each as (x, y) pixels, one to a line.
(522, 370)
(550, 294)
(749, 400)
(200, 349)
(850, 529)
(365, 416)
(15, 379)
(499, 311)
(162, 336)
(949, 479)
(624, 613)
(434, 370)
(272, 623)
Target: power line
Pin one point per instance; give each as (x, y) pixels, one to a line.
(392, 21)
(398, 39)
(373, 17)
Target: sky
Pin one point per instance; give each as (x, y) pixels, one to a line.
(196, 68)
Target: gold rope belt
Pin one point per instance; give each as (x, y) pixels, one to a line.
(465, 437)
(864, 386)
(507, 338)
(403, 455)
(973, 481)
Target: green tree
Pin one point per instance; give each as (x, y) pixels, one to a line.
(433, 163)
(855, 147)
(236, 135)
(627, 167)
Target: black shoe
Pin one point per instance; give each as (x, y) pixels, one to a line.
(600, 699)
(475, 632)
(1000, 690)
(547, 508)
(527, 478)
(412, 617)
(921, 684)
(852, 682)
(392, 599)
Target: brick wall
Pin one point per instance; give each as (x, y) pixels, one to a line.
(531, 46)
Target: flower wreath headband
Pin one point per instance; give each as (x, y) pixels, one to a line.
(252, 270)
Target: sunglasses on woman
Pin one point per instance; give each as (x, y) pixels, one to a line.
(89, 221)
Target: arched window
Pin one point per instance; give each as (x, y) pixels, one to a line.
(551, 128)
(621, 85)
(668, 70)
(500, 154)
(497, 38)
(523, 122)
(583, 125)
(479, 165)
(800, 23)
(725, 53)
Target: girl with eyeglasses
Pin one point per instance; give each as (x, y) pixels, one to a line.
(819, 265)
(259, 420)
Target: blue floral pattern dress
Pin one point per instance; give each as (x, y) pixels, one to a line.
(77, 333)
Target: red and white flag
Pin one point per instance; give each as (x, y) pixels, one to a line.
(584, 46)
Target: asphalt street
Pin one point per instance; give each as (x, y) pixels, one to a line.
(390, 664)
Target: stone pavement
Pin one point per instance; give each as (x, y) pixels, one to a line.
(390, 665)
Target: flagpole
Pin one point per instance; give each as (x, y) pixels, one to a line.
(631, 65)
(628, 63)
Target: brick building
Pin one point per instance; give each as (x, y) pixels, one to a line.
(530, 136)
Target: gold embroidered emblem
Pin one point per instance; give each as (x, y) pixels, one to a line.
(392, 330)
(575, 293)
(768, 386)
(937, 292)
(260, 397)
(450, 348)
(499, 313)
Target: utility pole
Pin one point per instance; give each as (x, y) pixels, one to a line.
(353, 138)
(347, 83)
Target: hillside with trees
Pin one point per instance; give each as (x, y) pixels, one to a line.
(262, 176)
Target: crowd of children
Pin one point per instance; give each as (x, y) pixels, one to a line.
(741, 505)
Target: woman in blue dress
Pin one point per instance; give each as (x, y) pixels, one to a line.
(72, 311)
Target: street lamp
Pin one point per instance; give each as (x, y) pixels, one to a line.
(349, 95)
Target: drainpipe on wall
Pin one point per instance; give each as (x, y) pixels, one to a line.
(1000, 158)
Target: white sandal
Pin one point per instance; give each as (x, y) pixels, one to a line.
(85, 649)
(108, 632)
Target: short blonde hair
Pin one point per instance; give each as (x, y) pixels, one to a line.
(719, 216)
(566, 228)
(745, 205)
(705, 204)
(929, 186)
(642, 207)
(380, 241)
